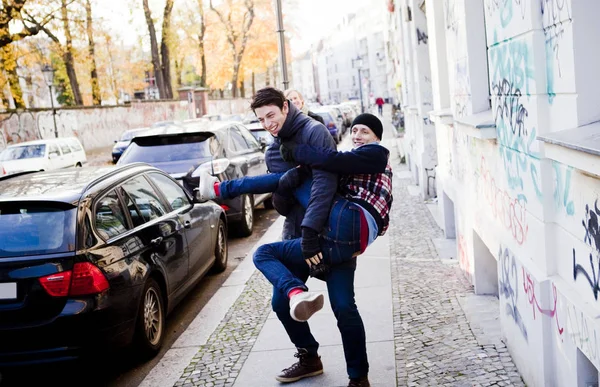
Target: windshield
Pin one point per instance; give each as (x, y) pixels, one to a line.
(258, 134)
(36, 228)
(129, 135)
(158, 150)
(23, 152)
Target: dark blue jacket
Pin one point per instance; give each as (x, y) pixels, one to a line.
(301, 129)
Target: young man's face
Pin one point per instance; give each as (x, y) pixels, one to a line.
(271, 117)
(296, 100)
(362, 135)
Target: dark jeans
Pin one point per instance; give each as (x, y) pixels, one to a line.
(283, 264)
(380, 109)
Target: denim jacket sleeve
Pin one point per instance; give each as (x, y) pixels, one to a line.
(324, 185)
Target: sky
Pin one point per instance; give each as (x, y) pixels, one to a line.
(314, 19)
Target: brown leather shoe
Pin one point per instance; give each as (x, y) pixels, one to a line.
(306, 366)
(359, 382)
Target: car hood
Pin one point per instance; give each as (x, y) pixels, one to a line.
(14, 166)
(121, 144)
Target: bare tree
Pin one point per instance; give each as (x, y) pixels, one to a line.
(164, 49)
(158, 74)
(96, 97)
(237, 39)
(201, 34)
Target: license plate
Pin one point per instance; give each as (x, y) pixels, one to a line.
(8, 291)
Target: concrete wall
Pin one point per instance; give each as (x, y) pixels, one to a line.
(526, 226)
(95, 127)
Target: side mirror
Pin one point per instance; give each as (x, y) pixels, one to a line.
(116, 141)
(263, 144)
(197, 198)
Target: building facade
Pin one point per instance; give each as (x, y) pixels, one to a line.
(499, 100)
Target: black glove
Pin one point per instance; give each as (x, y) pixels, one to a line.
(292, 179)
(320, 271)
(286, 149)
(310, 242)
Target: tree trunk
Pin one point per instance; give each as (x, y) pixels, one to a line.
(96, 96)
(164, 49)
(111, 68)
(158, 74)
(221, 93)
(268, 77)
(201, 44)
(242, 87)
(30, 97)
(9, 62)
(68, 56)
(178, 73)
(234, 79)
(253, 85)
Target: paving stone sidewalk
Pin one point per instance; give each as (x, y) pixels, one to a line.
(434, 342)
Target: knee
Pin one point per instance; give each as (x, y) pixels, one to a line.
(262, 253)
(344, 309)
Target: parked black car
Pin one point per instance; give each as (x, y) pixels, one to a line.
(224, 149)
(123, 142)
(96, 257)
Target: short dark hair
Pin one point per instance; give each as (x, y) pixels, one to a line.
(267, 96)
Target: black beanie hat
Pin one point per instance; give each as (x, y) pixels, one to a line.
(371, 121)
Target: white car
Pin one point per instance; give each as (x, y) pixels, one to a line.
(42, 155)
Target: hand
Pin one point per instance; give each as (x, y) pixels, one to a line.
(310, 243)
(292, 179)
(318, 268)
(286, 149)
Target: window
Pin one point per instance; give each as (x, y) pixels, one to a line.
(172, 191)
(64, 147)
(250, 139)
(75, 146)
(236, 141)
(143, 199)
(53, 151)
(109, 217)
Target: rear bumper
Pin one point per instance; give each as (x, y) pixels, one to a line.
(65, 338)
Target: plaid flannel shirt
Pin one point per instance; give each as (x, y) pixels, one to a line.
(373, 189)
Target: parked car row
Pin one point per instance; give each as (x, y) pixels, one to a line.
(42, 155)
(97, 257)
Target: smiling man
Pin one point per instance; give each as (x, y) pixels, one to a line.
(286, 123)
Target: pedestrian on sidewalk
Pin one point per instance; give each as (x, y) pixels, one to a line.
(358, 215)
(298, 101)
(380, 102)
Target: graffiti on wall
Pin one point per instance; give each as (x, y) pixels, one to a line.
(505, 9)
(509, 287)
(422, 37)
(463, 258)
(583, 333)
(556, 17)
(508, 210)
(591, 238)
(529, 289)
(562, 189)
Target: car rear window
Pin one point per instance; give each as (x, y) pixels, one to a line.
(163, 149)
(326, 117)
(36, 228)
(23, 152)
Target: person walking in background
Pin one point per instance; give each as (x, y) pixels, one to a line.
(379, 102)
(298, 101)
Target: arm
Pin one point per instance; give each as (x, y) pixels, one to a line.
(324, 185)
(366, 159)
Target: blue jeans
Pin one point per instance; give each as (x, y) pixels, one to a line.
(283, 264)
(230, 189)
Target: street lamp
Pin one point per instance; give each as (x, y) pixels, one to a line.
(49, 78)
(359, 62)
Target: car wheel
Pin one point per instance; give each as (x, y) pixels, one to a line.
(221, 248)
(150, 324)
(247, 222)
(78, 165)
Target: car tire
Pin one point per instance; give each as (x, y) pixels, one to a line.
(150, 324)
(246, 224)
(220, 249)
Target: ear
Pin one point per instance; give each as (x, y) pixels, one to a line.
(286, 108)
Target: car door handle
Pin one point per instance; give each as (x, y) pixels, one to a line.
(187, 224)
(156, 241)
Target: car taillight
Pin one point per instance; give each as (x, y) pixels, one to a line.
(331, 125)
(84, 279)
(224, 207)
(2, 170)
(57, 285)
(87, 279)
